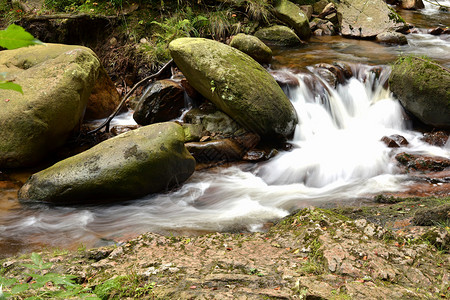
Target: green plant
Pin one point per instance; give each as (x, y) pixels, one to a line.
(42, 284)
(14, 37)
(131, 285)
(258, 10)
(220, 24)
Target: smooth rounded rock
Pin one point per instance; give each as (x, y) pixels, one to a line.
(279, 35)
(392, 38)
(236, 84)
(252, 46)
(423, 88)
(57, 81)
(146, 160)
(293, 16)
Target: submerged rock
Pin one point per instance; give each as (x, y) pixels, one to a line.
(224, 150)
(391, 38)
(236, 84)
(162, 101)
(423, 163)
(57, 81)
(423, 88)
(293, 16)
(278, 35)
(366, 19)
(131, 165)
(437, 138)
(252, 46)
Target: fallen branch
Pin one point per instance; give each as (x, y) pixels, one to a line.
(119, 107)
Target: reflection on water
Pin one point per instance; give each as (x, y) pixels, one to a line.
(337, 157)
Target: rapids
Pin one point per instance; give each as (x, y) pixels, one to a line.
(337, 157)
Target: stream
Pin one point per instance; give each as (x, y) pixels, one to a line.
(337, 157)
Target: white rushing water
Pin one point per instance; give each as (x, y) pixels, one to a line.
(337, 156)
(432, 6)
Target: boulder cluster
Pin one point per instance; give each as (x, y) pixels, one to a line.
(240, 103)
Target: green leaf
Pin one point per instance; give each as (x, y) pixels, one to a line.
(19, 288)
(15, 37)
(29, 266)
(37, 259)
(7, 281)
(8, 85)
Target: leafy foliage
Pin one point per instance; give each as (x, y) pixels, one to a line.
(132, 285)
(80, 5)
(15, 37)
(43, 285)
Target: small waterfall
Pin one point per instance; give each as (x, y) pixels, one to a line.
(432, 6)
(338, 136)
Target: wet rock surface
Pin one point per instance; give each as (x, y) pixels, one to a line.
(422, 86)
(391, 38)
(161, 102)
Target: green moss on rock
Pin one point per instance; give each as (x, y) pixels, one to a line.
(423, 88)
(57, 81)
(139, 162)
(236, 84)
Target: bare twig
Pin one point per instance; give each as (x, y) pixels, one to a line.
(119, 107)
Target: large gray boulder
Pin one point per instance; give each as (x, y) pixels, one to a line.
(252, 46)
(278, 35)
(236, 84)
(136, 163)
(293, 16)
(423, 88)
(56, 81)
(367, 18)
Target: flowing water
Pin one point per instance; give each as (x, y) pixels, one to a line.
(337, 157)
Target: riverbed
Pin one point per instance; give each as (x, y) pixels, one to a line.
(337, 157)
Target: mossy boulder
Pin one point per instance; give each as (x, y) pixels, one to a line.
(56, 81)
(131, 165)
(236, 84)
(367, 18)
(423, 88)
(278, 35)
(293, 16)
(252, 46)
